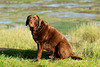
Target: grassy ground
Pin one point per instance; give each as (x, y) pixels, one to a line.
(22, 50)
(20, 62)
(85, 43)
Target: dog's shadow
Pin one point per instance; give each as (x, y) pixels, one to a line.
(29, 54)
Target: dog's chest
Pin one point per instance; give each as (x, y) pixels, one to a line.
(47, 47)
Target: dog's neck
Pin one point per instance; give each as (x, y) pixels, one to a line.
(38, 30)
(39, 24)
(38, 27)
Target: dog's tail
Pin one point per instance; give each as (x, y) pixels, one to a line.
(76, 57)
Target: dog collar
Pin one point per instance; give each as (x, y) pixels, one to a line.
(38, 27)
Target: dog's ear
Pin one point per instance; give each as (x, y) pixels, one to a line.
(39, 20)
(43, 22)
(38, 17)
(27, 21)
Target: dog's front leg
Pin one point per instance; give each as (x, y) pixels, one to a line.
(52, 54)
(40, 50)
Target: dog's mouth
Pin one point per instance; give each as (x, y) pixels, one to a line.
(32, 29)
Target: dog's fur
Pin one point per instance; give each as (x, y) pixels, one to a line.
(49, 38)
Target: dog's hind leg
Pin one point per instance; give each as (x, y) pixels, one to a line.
(64, 50)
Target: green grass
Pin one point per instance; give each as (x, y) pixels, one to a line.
(53, 0)
(29, 54)
(6, 61)
(78, 0)
(93, 10)
(85, 42)
(97, 0)
(19, 38)
(21, 23)
(65, 0)
(65, 26)
(24, 0)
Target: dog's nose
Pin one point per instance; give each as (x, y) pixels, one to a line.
(30, 24)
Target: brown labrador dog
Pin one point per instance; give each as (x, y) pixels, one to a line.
(49, 38)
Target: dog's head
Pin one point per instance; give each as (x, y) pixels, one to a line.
(34, 22)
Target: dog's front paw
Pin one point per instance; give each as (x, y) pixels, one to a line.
(36, 60)
(51, 57)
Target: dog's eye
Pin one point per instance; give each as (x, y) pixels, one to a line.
(29, 17)
(34, 17)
